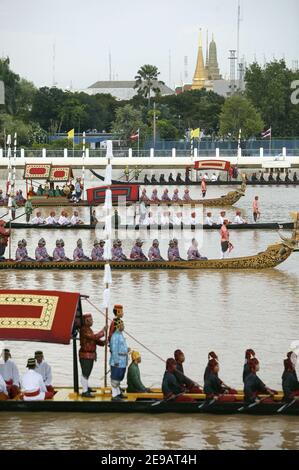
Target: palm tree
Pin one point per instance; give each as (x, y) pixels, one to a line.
(147, 81)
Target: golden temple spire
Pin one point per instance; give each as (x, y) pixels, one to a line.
(200, 73)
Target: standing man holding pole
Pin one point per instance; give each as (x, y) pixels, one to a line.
(87, 353)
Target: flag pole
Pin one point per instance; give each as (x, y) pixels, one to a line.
(270, 142)
(138, 141)
(83, 163)
(107, 253)
(14, 163)
(239, 144)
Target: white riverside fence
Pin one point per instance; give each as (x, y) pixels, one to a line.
(150, 153)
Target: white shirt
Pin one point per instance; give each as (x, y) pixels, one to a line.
(213, 178)
(37, 220)
(3, 388)
(63, 220)
(31, 382)
(209, 221)
(238, 220)
(51, 220)
(165, 220)
(9, 371)
(192, 220)
(75, 220)
(149, 221)
(220, 220)
(206, 177)
(44, 369)
(177, 220)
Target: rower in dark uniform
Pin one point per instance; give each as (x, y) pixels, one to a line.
(262, 179)
(290, 384)
(179, 178)
(162, 178)
(254, 178)
(213, 386)
(170, 178)
(171, 387)
(249, 354)
(295, 179)
(187, 175)
(287, 178)
(278, 179)
(189, 384)
(271, 177)
(146, 180)
(211, 355)
(153, 179)
(253, 384)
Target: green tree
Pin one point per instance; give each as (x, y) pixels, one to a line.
(11, 125)
(24, 99)
(239, 113)
(11, 83)
(269, 89)
(166, 130)
(71, 113)
(46, 108)
(127, 120)
(147, 81)
(192, 109)
(99, 110)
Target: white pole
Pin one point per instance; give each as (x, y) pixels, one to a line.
(239, 145)
(8, 184)
(83, 164)
(270, 142)
(14, 163)
(138, 141)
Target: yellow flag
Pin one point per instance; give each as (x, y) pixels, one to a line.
(195, 133)
(71, 134)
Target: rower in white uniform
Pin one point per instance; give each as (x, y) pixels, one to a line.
(44, 369)
(33, 387)
(238, 219)
(209, 220)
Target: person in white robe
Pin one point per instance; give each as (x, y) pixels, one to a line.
(44, 369)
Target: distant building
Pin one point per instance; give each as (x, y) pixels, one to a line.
(121, 90)
(212, 68)
(207, 75)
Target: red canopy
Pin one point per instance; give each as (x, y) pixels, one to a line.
(48, 171)
(37, 171)
(212, 165)
(60, 173)
(34, 315)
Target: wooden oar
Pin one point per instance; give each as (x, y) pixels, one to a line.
(287, 405)
(252, 405)
(165, 400)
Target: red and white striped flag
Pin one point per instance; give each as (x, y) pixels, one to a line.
(267, 134)
(135, 135)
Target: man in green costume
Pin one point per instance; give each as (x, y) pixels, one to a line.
(133, 376)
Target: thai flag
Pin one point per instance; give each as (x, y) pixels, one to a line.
(267, 134)
(135, 136)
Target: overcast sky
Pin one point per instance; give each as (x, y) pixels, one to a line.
(138, 32)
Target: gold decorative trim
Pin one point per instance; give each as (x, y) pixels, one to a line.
(44, 322)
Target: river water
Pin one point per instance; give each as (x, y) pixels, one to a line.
(227, 312)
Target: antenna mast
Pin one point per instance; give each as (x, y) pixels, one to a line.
(53, 65)
(110, 74)
(186, 69)
(169, 68)
(238, 33)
